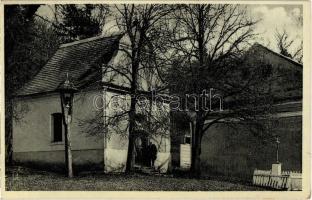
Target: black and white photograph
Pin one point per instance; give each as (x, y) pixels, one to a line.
(155, 97)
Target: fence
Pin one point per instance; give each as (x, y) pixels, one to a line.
(287, 180)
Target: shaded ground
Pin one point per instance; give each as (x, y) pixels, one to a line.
(23, 179)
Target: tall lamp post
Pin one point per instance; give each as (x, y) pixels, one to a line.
(67, 90)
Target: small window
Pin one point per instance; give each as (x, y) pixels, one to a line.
(57, 127)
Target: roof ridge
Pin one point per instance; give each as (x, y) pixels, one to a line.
(87, 40)
(278, 54)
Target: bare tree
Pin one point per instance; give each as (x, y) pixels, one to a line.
(138, 73)
(285, 45)
(210, 41)
(138, 22)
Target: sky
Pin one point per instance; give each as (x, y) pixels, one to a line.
(277, 17)
(272, 17)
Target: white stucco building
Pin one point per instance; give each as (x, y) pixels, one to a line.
(38, 137)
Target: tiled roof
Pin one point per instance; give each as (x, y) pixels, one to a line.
(278, 54)
(286, 78)
(81, 60)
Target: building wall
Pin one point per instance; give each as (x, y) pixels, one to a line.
(285, 77)
(83, 160)
(236, 153)
(32, 134)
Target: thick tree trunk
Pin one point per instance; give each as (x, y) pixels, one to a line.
(195, 167)
(196, 151)
(135, 58)
(8, 144)
(132, 113)
(129, 164)
(196, 147)
(197, 136)
(9, 133)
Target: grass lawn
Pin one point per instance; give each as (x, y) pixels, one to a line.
(30, 180)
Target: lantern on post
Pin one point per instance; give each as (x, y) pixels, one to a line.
(67, 90)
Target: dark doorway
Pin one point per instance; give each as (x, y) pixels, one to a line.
(141, 146)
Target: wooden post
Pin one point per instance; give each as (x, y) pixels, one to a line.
(69, 154)
(67, 90)
(69, 158)
(277, 148)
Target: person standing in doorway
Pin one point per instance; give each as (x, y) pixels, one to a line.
(153, 154)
